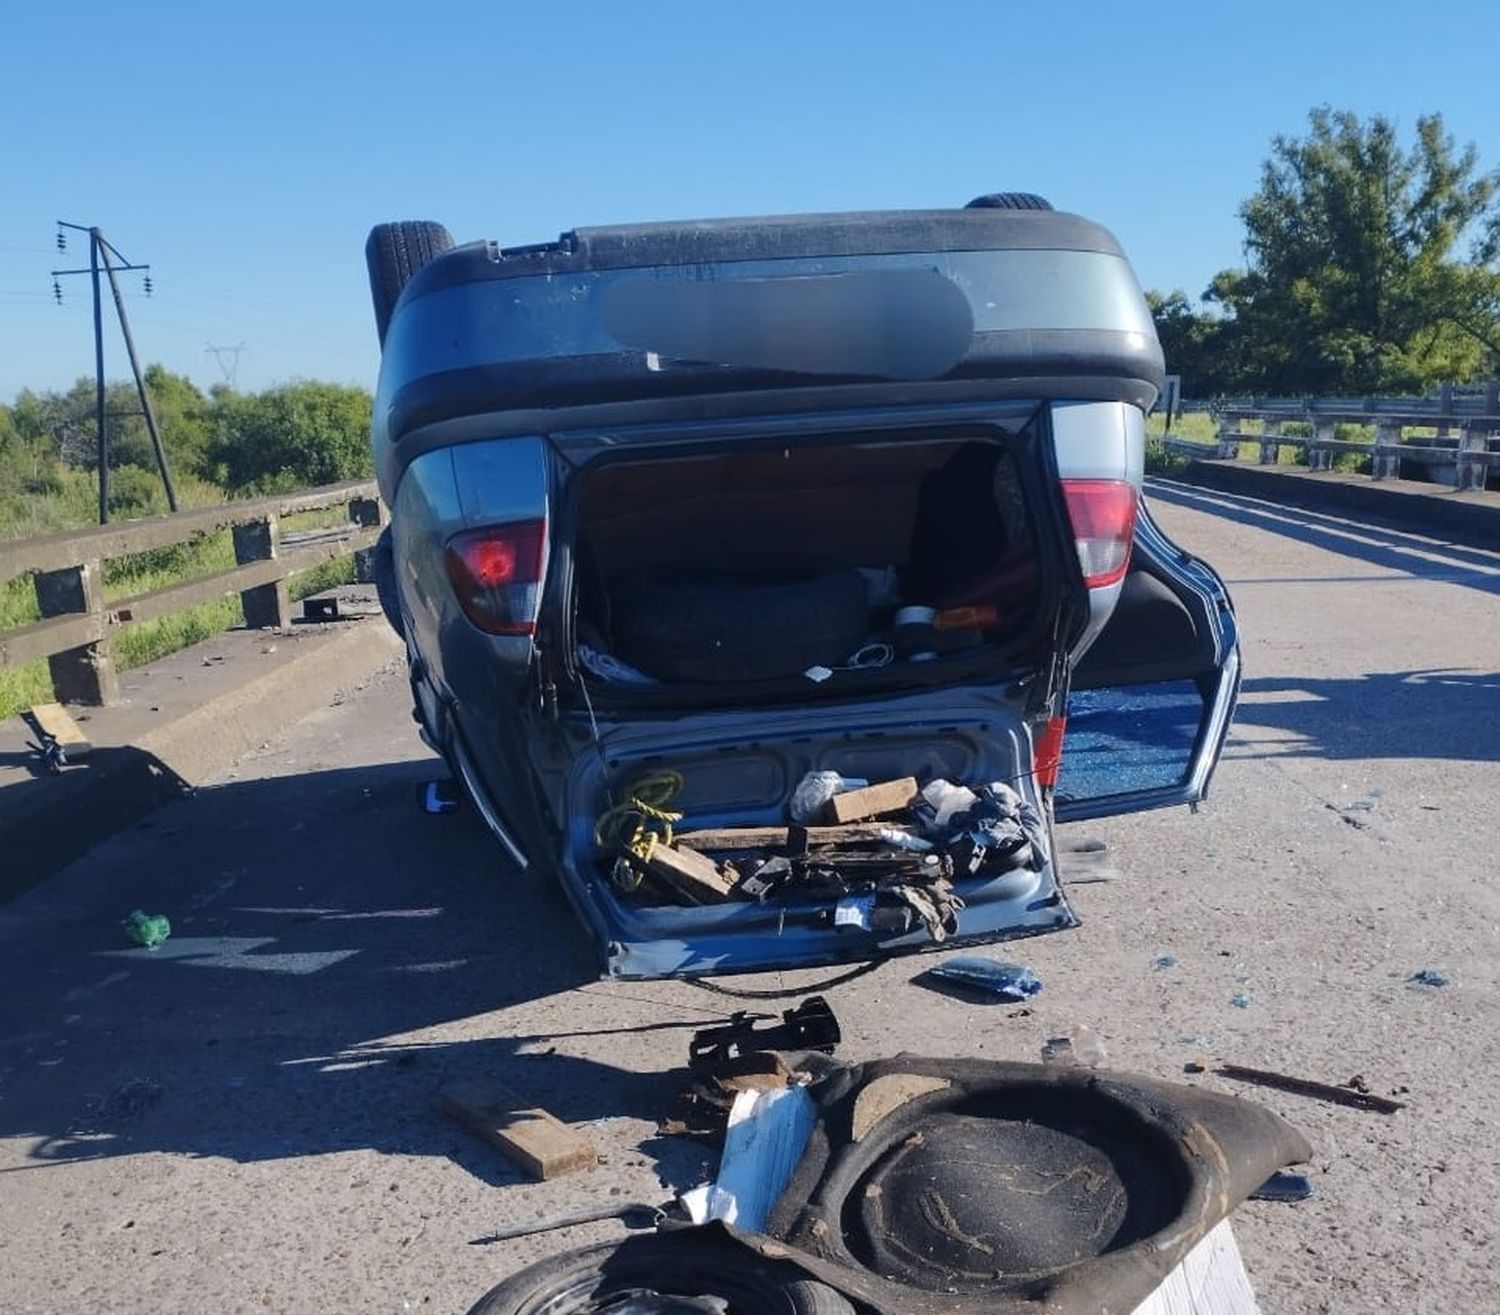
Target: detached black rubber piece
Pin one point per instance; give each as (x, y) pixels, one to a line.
(693, 627)
(393, 253)
(1009, 201)
(672, 1273)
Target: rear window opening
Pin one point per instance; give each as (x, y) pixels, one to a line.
(846, 565)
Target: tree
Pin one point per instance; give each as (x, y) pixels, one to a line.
(290, 437)
(1359, 280)
(1198, 345)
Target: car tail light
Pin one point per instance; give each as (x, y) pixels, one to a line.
(496, 575)
(1047, 751)
(1103, 516)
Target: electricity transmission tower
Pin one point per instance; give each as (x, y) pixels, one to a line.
(231, 372)
(100, 253)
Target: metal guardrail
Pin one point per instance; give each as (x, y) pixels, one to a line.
(78, 626)
(1461, 454)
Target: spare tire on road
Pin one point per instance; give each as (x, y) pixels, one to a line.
(695, 626)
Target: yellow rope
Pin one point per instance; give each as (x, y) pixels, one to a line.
(643, 821)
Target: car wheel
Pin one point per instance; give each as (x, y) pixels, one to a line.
(385, 581)
(394, 252)
(1009, 201)
(667, 1274)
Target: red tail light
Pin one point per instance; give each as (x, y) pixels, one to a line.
(496, 574)
(1047, 751)
(1103, 516)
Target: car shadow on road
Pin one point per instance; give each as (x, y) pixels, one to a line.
(337, 956)
(1442, 714)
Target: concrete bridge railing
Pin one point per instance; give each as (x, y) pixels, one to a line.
(78, 626)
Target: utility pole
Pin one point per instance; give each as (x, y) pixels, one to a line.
(99, 253)
(104, 250)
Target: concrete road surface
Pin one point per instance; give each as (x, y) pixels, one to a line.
(243, 1119)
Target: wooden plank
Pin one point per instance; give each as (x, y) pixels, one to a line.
(775, 837)
(870, 801)
(690, 873)
(542, 1145)
(55, 721)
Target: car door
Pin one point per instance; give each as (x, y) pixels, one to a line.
(1150, 702)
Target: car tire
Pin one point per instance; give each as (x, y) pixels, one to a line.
(393, 253)
(385, 581)
(1009, 201)
(654, 1269)
(692, 627)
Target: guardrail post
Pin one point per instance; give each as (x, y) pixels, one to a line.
(87, 674)
(1473, 439)
(1229, 446)
(1270, 442)
(1386, 463)
(1320, 458)
(1445, 408)
(267, 604)
(366, 512)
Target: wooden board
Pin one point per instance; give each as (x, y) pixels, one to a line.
(54, 720)
(692, 874)
(733, 838)
(541, 1144)
(870, 801)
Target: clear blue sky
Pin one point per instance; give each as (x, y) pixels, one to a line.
(244, 150)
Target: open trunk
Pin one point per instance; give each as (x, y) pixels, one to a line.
(851, 566)
(876, 606)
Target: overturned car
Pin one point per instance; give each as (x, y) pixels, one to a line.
(777, 582)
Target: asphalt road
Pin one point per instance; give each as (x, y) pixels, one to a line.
(243, 1119)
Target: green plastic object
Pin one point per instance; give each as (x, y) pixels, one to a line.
(148, 929)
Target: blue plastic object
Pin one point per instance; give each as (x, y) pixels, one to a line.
(1006, 981)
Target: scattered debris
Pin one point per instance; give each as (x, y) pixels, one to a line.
(60, 742)
(727, 1049)
(1164, 961)
(764, 1140)
(320, 609)
(1284, 1187)
(542, 1145)
(1361, 1100)
(1242, 999)
(1428, 977)
(438, 797)
(1081, 1048)
(633, 1214)
(148, 929)
(1007, 982)
(815, 790)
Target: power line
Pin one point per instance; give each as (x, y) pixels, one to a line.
(100, 253)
